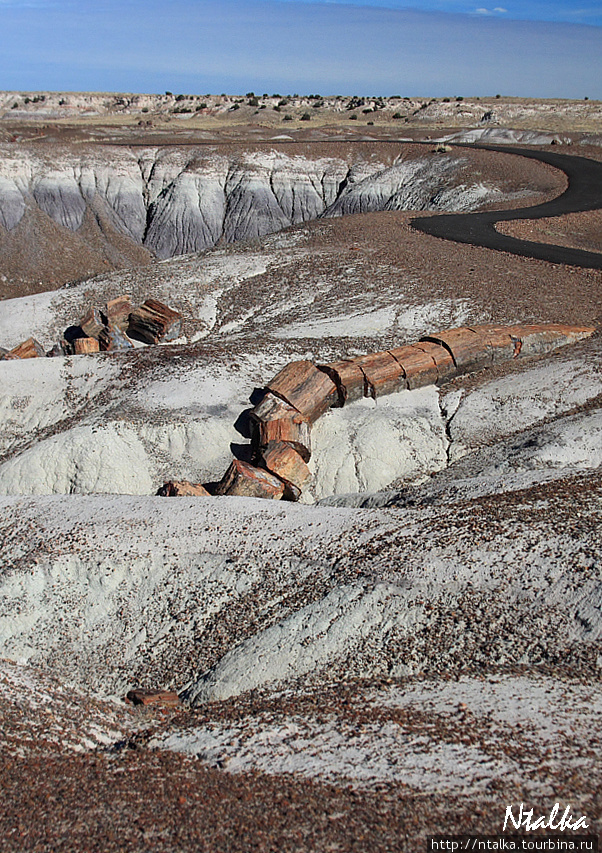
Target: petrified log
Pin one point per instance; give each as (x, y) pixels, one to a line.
(349, 379)
(85, 346)
(117, 312)
(305, 387)
(536, 339)
(418, 366)
(92, 324)
(112, 339)
(281, 459)
(154, 322)
(182, 488)
(152, 697)
(5, 355)
(442, 358)
(275, 420)
(468, 349)
(383, 374)
(28, 349)
(244, 480)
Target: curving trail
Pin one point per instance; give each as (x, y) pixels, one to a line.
(584, 192)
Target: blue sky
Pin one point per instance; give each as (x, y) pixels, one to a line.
(537, 48)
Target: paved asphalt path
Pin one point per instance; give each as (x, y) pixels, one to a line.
(584, 192)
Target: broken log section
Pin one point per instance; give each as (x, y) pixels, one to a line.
(244, 480)
(154, 322)
(117, 311)
(85, 346)
(275, 420)
(28, 349)
(281, 459)
(383, 374)
(418, 366)
(349, 379)
(304, 387)
(92, 323)
(183, 489)
(152, 697)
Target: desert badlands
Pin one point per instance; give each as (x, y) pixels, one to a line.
(408, 640)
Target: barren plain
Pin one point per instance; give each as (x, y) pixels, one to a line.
(416, 643)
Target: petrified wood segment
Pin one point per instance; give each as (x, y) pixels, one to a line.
(244, 480)
(349, 379)
(305, 387)
(152, 697)
(27, 349)
(281, 459)
(468, 349)
(182, 488)
(112, 339)
(442, 358)
(92, 324)
(154, 322)
(383, 374)
(5, 355)
(275, 420)
(418, 366)
(501, 345)
(84, 346)
(118, 312)
(536, 339)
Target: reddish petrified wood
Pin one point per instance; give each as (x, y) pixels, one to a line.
(244, 480)
(468, 350)
(112, 339)
(154, 322)
(502, 346)
(275, 420)
(349, 379)
(417, 365)
(306, 388)
(282, 459)
(152, 697)
(28, 349)
(537, 339)
(382, 372)
(5, 355)
(442, 358)
(84, 346)
(92, 324)
(182, 488)
(118, 312)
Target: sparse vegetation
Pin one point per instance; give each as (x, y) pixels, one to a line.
(306, 117)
